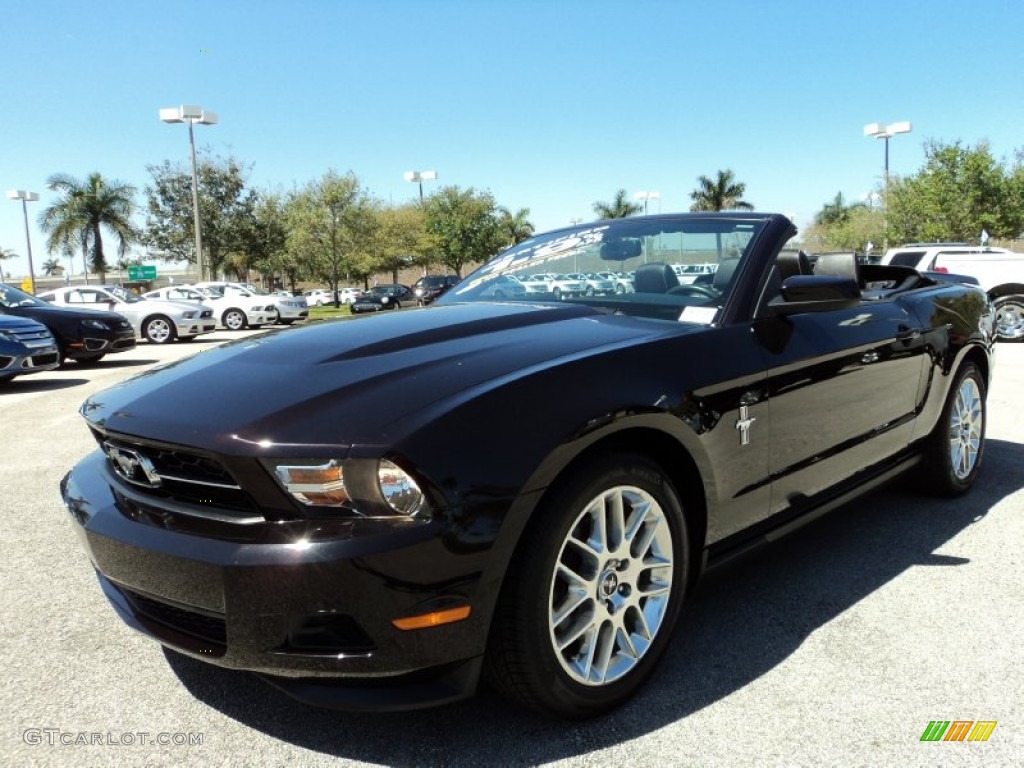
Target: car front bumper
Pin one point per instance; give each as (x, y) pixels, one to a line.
(260, 317)
(196, 327)
(92, 345)
(313, 618)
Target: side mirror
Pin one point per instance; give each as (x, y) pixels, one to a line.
(815, 293)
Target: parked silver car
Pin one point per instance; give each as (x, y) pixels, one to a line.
(155, 320)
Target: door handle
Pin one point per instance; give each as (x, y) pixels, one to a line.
(906, 334)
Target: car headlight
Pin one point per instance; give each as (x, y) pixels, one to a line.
(99, 325)
(363, 487)
(189, 315)
(384, 299)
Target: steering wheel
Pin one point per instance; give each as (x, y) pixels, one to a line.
(688, 289)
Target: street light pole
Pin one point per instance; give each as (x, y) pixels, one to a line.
(191, 114)
(419, 177)
(26, 198)
(645, 196)
(886, 132)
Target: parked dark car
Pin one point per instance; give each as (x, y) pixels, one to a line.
(85, 335)
(380, 297)
(25, 347)
(521, 486)
(431, 287)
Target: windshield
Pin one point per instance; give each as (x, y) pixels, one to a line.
(12, 297)
(631, 265)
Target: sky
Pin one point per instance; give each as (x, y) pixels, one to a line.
(548, 105)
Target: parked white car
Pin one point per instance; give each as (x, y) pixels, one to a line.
(237, 307)
(156, 320)
(286, 309)
(1000, 273)
(623, 283)
(689, 273)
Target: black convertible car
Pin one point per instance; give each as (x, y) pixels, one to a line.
(85, 335)
(518, 488)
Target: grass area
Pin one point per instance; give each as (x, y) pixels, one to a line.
(321, 313)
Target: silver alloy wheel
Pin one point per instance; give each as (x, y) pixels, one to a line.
(611, 586)
(1010, 318)
(234, 320)
(158, 330)
(965, 428)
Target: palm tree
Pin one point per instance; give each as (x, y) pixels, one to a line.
(83, 210)
(722, 194)
(619, 208)
(51, 267)
(516, 227)
(5, 253)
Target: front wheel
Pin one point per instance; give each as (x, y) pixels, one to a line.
(159, 330)
(955, 447)
(594, 590)
(1010, 318)
(234, 319)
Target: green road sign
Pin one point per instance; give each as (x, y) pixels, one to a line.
(144, 272)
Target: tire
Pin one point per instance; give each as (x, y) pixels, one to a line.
(620, 288)
(955, 447)
(1010, 318)
(396, 304)
(557, 293)
(588, 291)
(568, 633)
(234, 320)
(159, 330)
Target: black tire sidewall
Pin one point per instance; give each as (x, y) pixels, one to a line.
(557, 692)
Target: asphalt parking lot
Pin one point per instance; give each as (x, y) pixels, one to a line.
(836, 646)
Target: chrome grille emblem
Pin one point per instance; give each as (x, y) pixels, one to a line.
(132, 466)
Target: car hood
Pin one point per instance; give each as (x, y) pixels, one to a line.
(354, 382)
(58, 312)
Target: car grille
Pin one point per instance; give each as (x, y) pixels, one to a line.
(30, 337)
(209, 627)
(184, 475)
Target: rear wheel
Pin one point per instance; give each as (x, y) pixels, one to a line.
(1010, 318)
(594, 590)
(953, 455)
(159, 330)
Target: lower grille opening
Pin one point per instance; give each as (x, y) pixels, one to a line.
(211, 629)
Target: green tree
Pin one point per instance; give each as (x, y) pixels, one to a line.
(618, 208)
(83, 211)
(330, 225)
(515, 227)
(859, 226)
(836, 212)
(226, 209)
(723, 193)
(262, 241)
(52, 267)
(465, 226)
(959, 192)
(400, 239)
